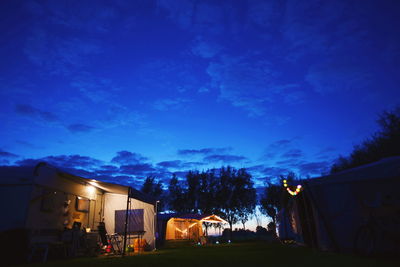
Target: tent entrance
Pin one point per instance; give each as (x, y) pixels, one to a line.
(184, 229)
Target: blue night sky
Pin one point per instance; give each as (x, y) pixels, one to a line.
(119, 90)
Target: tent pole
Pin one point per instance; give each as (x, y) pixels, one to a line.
(126, 221)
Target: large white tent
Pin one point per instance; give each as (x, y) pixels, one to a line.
(335, 212)
(45, 200)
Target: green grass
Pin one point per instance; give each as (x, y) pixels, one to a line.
(243, 254)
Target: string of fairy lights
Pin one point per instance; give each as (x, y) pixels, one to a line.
(290, 191)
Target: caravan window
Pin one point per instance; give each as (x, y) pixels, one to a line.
(82, 204)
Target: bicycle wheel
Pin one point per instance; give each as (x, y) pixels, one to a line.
(365, 241)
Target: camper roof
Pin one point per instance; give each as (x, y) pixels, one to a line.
(20, 175)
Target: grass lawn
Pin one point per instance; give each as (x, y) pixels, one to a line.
(243, 254)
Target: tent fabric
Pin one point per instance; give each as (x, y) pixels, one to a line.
(117, 203)
(338, 205)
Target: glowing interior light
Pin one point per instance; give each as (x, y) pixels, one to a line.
(90, 189)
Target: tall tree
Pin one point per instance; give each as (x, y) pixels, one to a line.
(246, 194)
(208, 192)
(207, 195)
(384, 143)
(176, 196)
(236, 194)
(192, 191)
(153, 187)
(226, 190)
(275, 197)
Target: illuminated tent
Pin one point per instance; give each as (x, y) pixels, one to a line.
(330, 211)
(44, 200)
(184, 226)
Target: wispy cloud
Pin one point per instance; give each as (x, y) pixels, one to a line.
(224, 158)
(80, 128)
(28, 144)
(206, 49)
(314, 168)
(66, 161)
(138, 169)
(6, 154)
(170, 104)
(251, 83)
(171, 164)
(336, 77)
(199, 17)
(56, 56)
(126, 157)
(30, 111)
(293, 153)
(179, 164)
(277, 147)
(203, 151)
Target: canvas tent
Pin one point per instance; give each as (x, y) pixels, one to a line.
(184, 226)
(332, 211)
(44, 200)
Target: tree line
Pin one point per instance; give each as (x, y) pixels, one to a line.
(382, 144)
(226, 192)
(230, 192)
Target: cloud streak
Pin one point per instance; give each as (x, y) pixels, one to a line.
(203, 151)
(224, 158)
(30, 111)
(80, 128)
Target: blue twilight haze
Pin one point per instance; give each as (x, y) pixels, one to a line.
(119, 90)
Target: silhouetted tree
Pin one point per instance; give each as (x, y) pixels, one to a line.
(192, 191)
(153, 188)
(176, 196)
(247, 196)
(207, 195)
(384, 143)
(225, 195)
(235, 191)
(275, 197)
(271, 227)
(208, 192)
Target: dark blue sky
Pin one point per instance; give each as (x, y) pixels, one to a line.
(124, 89)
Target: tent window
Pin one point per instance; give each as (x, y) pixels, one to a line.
(135, 221)
(82, 204)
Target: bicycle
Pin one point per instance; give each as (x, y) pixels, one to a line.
(380, 232)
